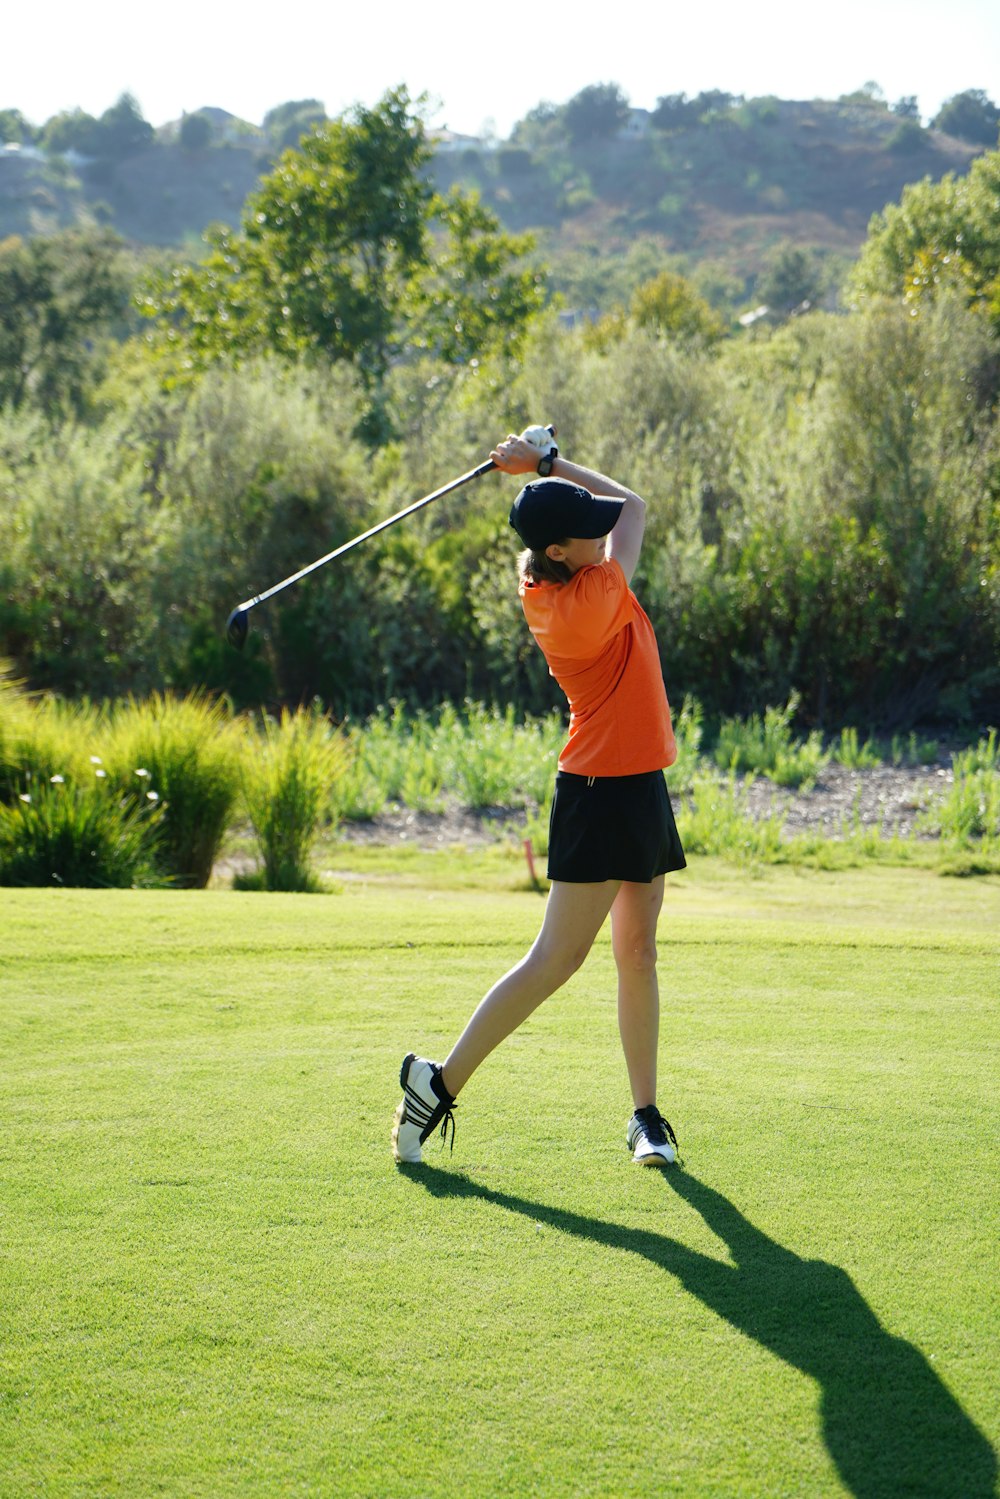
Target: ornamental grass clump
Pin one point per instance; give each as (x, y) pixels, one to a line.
(189, 750)
(44, 737)
(289, 778)
(58, 833)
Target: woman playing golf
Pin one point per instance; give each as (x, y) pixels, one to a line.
(612, 836)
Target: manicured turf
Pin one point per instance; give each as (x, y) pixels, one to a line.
(215, 1282)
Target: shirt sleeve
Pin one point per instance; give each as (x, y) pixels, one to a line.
(592, 608)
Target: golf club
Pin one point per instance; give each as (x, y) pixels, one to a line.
(237, 625)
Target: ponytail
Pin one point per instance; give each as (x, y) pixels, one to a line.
(539, 567)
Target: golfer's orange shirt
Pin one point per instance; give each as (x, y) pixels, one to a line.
(600, 647)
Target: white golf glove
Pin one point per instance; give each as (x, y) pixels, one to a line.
(542, 438)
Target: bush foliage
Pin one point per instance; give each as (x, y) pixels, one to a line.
(824, 508)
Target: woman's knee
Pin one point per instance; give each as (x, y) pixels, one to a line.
(636, 955)
(558, 961)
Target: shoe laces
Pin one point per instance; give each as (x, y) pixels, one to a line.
(658, 1131)
(446, 1119)
(426, 1117)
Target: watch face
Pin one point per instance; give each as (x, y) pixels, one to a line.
(545, 465)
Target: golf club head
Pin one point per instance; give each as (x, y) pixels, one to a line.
(237, 626)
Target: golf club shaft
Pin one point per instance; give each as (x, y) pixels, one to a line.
(304, 572)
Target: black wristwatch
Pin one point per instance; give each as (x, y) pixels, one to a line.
(546, 461)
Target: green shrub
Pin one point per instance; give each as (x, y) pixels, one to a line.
(765, 746)
(849, 752)
(912, 749)
(88, 835)
(189, 750)
(714, 818)
(483, 757)
(494, 760)
(75, 603)
(290, 773)
(969, 814)
(687, 732)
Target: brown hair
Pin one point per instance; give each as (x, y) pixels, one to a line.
(539, 567)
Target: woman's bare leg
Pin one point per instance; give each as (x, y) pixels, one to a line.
(574, 914)
(634, 915)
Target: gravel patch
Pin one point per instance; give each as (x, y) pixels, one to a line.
(889, 797)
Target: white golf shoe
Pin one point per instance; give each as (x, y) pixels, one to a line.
(650, 1138)
(425, 1104)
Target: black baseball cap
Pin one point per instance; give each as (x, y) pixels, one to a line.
(555, 510)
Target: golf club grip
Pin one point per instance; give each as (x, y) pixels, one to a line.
(383, 525)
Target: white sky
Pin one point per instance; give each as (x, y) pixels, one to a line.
(489, 63)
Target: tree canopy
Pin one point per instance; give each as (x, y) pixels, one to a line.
(119, 132)
(56, 296)
(971, 115)
(595, 112)
(940, 234)
(346, 253)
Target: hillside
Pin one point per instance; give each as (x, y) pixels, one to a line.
(722, 191)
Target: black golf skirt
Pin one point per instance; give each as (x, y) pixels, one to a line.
(612, 828)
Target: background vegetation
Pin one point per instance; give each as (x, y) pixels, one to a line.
(824, 485)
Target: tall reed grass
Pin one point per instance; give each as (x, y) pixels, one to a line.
(63, 834)
(290, 769)
(189, 750)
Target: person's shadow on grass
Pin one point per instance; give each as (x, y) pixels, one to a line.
(889, 1423)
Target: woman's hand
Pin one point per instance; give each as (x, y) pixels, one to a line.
(516, 456)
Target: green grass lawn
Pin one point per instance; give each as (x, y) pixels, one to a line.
(213, 1280)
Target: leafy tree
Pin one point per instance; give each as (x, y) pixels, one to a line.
(674, 112)
(972, 116)
(196, 132)
(669, 304)
(56, 295)
(476, 297)
(940, 234)
(14, 127)
(346, 253)
(286, 124)
(596, 112)
(72, 130)
(907, 138)
(122, 131)
(678, 112)
(907, 107)
(539, 125)
(791, 277)
(869, 96)
(714, 101)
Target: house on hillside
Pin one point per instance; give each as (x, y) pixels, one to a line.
(16, 151)
(449, 142)
(636, 127)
